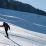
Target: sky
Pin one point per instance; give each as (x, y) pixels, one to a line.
(40, 4)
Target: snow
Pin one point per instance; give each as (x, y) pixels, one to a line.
(27, 29)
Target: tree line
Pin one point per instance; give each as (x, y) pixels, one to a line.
(19, 6)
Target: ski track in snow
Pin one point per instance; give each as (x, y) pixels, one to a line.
(17, 40)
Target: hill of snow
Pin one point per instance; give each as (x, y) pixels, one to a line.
(27, 29)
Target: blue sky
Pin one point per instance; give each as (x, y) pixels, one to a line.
(40, 4)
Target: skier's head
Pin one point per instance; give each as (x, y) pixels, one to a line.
(4, 22)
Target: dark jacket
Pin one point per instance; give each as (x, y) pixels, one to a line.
(5, 25)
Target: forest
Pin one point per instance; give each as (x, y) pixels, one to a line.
(19, 6)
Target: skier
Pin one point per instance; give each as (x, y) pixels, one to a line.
(6, 27)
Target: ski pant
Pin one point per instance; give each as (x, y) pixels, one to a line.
(6, 31)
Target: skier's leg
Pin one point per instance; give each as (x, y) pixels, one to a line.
(6, 32)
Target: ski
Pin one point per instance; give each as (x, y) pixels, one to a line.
(7, 37)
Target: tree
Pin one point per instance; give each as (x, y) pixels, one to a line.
(11, 5)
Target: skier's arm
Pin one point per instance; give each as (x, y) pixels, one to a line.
(9, 27)
(1, 25)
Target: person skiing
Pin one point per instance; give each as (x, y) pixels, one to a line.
(6, 27)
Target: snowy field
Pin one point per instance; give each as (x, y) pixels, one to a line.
(27, 29)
